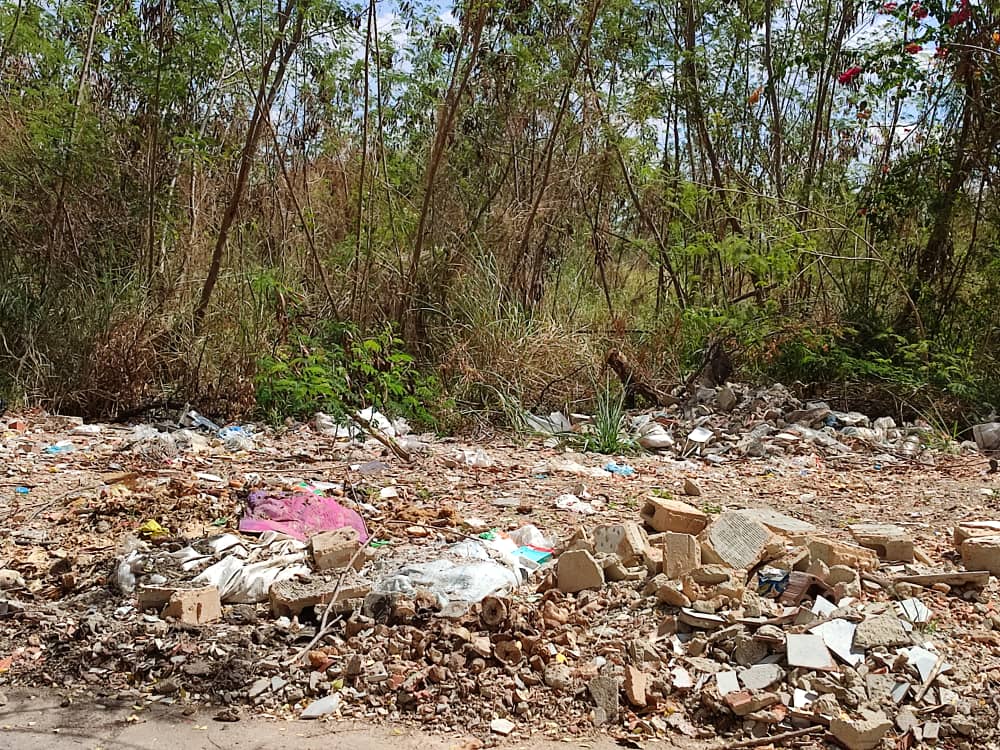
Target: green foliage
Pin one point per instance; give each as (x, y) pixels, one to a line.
(684, 181)
(339, 371)
(936, 368)
(607, 431)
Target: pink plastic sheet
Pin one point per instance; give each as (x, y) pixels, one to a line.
(300, 515)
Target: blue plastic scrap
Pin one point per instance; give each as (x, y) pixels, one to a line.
(622, 470)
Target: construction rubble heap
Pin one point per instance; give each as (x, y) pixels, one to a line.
(511, 591)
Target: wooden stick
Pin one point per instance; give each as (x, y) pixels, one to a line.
(387, 441)
(930, 679)
(776, 737)
(325, 624)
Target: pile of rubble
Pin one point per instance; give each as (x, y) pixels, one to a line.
(744, 623)
(777, 627)
(749, 622)
(738, 421)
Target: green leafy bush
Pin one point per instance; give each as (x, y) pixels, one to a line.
(338, 370)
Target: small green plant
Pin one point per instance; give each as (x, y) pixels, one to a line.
(339, 371)
(607, 429)
(711, 509)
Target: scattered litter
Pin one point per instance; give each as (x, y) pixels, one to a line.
(663, 617)
(573, 503)
(299, 515)
(622, 470)
(554, 424)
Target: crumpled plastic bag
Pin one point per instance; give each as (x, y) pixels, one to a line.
(299, 515)
(242, 570)
(457, 586)
(553, 424)
(350, 430)
(240, 582)
(470, 577)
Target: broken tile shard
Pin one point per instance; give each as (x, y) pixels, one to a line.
(734, 540)
(808, 650)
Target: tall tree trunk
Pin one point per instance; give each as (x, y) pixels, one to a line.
(692, 90)
(777, 160)
(262, 107)
(933, 259)
(550, 145)
(472, 35)
(59, 214)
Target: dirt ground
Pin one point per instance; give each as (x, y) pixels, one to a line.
(42, 722)
(64, 529)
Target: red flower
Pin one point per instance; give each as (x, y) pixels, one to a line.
(941, 52)
(849, 75)
(963, 14)
(918, 11)
(913, 48)
(889, 8)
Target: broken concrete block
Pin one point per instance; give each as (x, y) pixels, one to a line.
(577, 570)
(932, 731)
(974, 578)
(726, 682)
(290, 597)
(154, 597)
(701, 620)
(968, 529)
(502, 726)
(653, 557)
(748, 651)
(982, 553)
(890, 542)
(616, 570)
(880, 688)
(845, 582)
(734, 540)
(681, 554)
(752, 603)
(711, 575)
(818, 569)
(663, 514)
(744, 702)
(739, 702)
(809, 651)
(635, 686)
(884, 630)
(654, 583)
(627, 540)
(832, 552)
(670, 594)
(333, 550)
(864, 733)
(604, 690)
(691, 488)
(793, 558)
(777, 522)
(194, 606)
(712, 584)
(761, 676)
